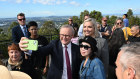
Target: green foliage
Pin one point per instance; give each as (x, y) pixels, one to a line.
(82, 15)
(96, 15)
(48, 28)
(1, 30)
(9, 33)
(76, 20)
(130, 13)
(111, 20)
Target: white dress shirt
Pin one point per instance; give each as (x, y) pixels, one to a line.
(64, 75)
(23, 29)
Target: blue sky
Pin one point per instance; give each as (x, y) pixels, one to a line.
(37, 8)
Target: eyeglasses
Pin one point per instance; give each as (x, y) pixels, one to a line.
(119, 23)
(21, 19)
(85, 46)
(66, 36)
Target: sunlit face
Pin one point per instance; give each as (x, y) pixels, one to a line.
(119, 72)
(66, 35)
(119, 24)
(21, 20)
(14, 55)
(134, 31)
(104, 22)
(86, 17)
(88, 29)
(70, 21)
(98, 26)
(84, 50)
(33, 30)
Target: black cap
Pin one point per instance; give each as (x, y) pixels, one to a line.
(91, 41)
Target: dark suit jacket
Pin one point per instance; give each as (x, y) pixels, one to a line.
(56, 67)
(17, 34)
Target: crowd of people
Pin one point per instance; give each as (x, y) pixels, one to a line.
(89, 51)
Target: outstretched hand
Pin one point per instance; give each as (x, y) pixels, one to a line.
(22, 42)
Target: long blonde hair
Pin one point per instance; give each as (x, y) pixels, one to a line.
(93, 21)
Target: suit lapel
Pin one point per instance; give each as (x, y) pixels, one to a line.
(61, 54)
(20, 31)
(72, 55)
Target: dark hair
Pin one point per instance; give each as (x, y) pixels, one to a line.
(125, 15)
(21, 14)
(32, 23)
(93, 43)
(115, 42)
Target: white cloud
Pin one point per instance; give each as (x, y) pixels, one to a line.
(74, 3)
(50, 2)
(64, 1)
(3, 0)
(18, 1)
(27, 1)
(87, 4)
(47, 13)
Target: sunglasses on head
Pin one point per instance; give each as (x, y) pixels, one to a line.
(21, 19)
(85, 46)
(119, 23)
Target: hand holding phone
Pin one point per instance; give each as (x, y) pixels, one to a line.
(32, 44)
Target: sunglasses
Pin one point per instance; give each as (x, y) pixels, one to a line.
(86, 47)
(21, 19)
(119, 23)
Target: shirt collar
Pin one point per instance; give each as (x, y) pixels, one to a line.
(22, 26)
(68, 45)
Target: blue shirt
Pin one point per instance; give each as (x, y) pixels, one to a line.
(126, 22)
(93, 69)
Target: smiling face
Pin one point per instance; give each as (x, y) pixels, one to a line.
(119, 24)
(134, 31)
(21, 20)
(66, 35)
(88, 29)
(14, 55)
(85, 49)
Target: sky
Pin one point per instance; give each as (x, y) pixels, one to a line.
(42, 8)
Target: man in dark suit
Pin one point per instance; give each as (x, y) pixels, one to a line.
(21, 30)
(65, 56)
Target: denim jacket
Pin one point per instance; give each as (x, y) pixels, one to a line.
(93, 69)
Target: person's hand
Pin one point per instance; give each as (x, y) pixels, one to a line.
(45, 70)
(113, 28)
(22, 42)
(107, 33)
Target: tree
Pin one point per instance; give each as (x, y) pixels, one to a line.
(9, 33)
(96, 15)
(112, 20)
(48, 28)
(130, 13)
(82, 15)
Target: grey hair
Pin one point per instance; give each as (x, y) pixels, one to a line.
(67, 26)
(130, 57)
(136, 26)
(93, 21)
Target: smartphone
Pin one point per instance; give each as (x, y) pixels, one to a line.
(32, 44)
